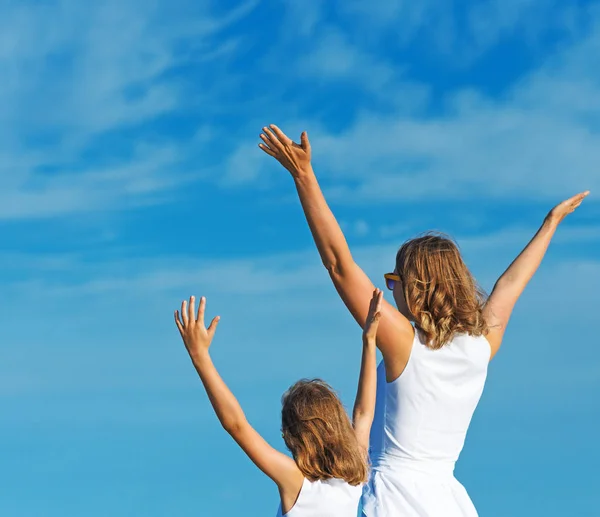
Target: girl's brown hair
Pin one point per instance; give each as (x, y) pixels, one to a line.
(440, 292)
(318, 433)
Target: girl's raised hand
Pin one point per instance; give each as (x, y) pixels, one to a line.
(195, 335)
(295, 158)
(373, 317)
(560, 211)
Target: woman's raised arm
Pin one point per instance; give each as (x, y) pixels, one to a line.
(513, 281)
(395, 334)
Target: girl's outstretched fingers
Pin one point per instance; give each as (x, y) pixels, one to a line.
(196, 337)
(192, 310)
(374, 315)
(178, 322)
(184, 313)
(212, 328)
(201, 310)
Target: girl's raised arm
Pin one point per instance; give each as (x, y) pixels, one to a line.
(395, 334)
(197, 338)
(364, 405)
(511, 284)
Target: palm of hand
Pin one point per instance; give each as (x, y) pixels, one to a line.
(196, 336)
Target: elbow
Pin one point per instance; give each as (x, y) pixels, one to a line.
(233, 426)
(509, 286)
(506, 280)
(336, 269)
(362, 415)
(331, 267)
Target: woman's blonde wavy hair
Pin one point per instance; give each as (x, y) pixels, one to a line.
(441, 294)
(317, 431)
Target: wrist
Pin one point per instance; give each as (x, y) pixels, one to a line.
(200, 357)
(302, 172)
(551, 222)
(369, 341)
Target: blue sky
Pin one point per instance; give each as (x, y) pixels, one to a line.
(130, 178)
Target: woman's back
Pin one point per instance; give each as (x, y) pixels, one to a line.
(419, 430)
(428, 409)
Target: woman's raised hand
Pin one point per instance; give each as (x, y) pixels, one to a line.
(195, 335)
(294, 157)
(560, 211)
(373, 317)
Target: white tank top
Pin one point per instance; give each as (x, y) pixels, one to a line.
(422, 417)
(331, 498)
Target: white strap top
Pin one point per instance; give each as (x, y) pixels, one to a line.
(331, 498)
(423, 416)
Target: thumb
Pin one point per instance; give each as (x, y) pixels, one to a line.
(212, 328)
(304, 141)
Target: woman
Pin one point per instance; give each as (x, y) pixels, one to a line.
(436, 369)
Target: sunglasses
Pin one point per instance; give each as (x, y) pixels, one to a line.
(390, 280)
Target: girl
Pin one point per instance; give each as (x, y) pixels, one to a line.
(436, 370)
(329, 468)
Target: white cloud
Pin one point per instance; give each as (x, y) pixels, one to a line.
(461, 33)
(361, 228)
(302, 19)
(333, 57)
(74, 275)
(98, 315)
(73, 74)
(540, 140)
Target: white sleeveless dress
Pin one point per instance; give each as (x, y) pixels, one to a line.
(420, 425)
(330, 498)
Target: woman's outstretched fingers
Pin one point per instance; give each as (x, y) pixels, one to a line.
(265, 139)
(266, 149)
(283, 138)
(272, 141)
(577, 199)
(580, 197)
(305, 144)
(294, 157)
(266, 145)
(560, 211)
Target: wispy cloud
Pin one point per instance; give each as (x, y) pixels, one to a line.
(80, 274)
(90, 311)
(539, 140)
(155, 107)
(77, 76)
(459, 32)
